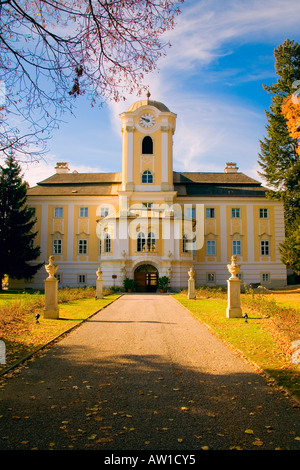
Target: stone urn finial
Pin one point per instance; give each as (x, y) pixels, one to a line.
(192, 273)
(233, 268)
(51, 268)
(99, 273)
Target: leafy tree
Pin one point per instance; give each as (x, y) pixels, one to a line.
(54, 50)
(279, 157)
(17, 250)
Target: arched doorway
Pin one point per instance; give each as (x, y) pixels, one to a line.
(146, 277)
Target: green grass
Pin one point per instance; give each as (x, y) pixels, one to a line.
(260, 339)
(18, 327)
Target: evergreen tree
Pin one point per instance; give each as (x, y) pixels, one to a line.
(279, 158)
(17, 250)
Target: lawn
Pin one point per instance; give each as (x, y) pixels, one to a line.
(266, 338)
(23, 335)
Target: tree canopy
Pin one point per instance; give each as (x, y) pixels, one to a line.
(54, 50)
(17, 249)
(279, 157)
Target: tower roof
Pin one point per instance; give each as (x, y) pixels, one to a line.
(157, 104)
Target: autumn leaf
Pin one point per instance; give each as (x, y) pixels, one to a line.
(249, 431)
(258, 443)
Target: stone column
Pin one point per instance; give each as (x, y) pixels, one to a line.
(99, 284)
(2, 353)
(51, 291)
(233, 291)
(191, 284)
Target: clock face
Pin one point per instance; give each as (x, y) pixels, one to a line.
(147, 120)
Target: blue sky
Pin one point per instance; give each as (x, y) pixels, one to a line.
(222, 52)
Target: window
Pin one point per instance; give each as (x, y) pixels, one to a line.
(82, 246)
(81, 278)
(185, 244)
(83, 212)
(235, 213)
(210, 213)
(264, 248)
(100, 247)
(211, 247)
(151, 242)
(147, 145)
(57, 247)
(236, 247)
(140, 242)
(210, 277)
(147, 177)
(104, 211)
(58, 212)
(190, 212)
(265, 277)
(147, 205)
(263, 213)
(107, 243)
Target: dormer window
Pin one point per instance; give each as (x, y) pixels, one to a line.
(147, 145)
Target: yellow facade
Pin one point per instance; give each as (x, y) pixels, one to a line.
(139, 220)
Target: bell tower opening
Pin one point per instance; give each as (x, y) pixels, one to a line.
(147, 145)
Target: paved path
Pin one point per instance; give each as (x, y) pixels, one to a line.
(143, 374)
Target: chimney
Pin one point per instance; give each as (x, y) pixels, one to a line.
(62, 167)
(231, 168)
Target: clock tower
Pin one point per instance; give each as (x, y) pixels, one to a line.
(147, 127)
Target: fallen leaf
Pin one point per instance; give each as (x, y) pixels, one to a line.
(258, 443)
(249, 431)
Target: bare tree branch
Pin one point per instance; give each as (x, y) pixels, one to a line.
(53, 50)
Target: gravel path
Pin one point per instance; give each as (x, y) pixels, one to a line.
(143, 374)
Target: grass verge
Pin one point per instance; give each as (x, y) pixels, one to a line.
(265, 339)
(23, 336)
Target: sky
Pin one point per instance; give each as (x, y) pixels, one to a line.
(212, 78)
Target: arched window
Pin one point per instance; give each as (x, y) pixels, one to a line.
(151, 242)
(147, 177)
(147, 145)
(107, 243)
(140, 242)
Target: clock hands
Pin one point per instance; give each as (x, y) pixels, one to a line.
(145, 119)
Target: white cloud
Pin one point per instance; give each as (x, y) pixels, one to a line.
(206, 29)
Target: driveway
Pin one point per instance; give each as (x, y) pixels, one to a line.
(143, 374)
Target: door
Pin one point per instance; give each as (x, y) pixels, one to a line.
(146, 277)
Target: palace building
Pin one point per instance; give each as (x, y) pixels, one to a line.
(149, 221)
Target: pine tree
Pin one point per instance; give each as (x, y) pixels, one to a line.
(17, 250)
(279, 159)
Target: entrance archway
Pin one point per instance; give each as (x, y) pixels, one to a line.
(146, 277)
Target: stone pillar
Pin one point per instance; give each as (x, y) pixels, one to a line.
(233, 291)
(51, 291)
(99, 284)
(2, 353)
(191, 284)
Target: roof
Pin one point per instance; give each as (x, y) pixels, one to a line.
(216, 184)
(78, 184)
(186, 184)
(156, 104)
